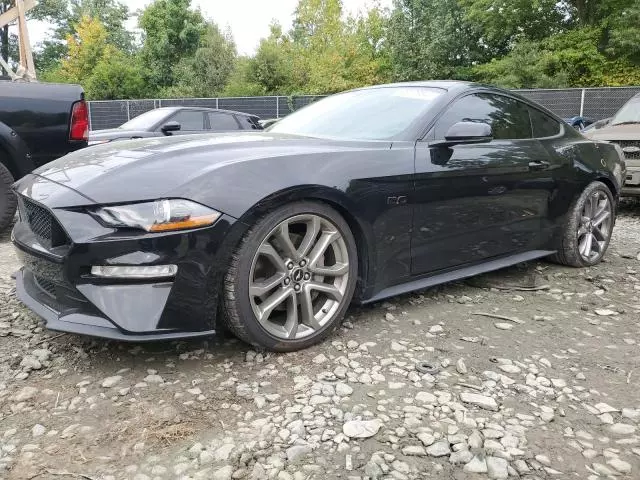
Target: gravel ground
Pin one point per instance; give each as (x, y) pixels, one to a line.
(471, 380)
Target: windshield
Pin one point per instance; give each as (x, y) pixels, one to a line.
(371, 114)
(146, 120)
(630, 113)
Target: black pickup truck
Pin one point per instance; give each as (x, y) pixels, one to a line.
(39, 122)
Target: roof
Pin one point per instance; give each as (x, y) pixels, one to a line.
(443, 84)
(175, 108)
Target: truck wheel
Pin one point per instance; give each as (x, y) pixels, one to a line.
(8, 200)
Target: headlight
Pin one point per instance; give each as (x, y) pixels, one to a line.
(158, 216)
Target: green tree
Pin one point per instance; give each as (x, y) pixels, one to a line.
(240, 82)
(273, 66)
(103, 70)
(504, 22)
(65, 15)
(116, 76)
(433, 39)
(172, 31)
(207, 72)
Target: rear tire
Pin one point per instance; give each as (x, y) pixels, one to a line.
(292, 278)
(588, 226)
(8, 200)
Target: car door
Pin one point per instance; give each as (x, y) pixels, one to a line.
(191, 121)
(483, 200)
(222, 122)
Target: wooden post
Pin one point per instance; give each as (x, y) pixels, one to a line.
(26, 55)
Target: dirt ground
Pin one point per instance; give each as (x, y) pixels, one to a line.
(421, 386)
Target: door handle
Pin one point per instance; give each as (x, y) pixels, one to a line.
(539, 165)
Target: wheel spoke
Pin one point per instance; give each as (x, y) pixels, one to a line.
(336, 270)
(291, 325)
(582, 245)
(257, 289)
(268, 251)
(595, 243)
(601, 217)
(587, 245)
(313, 228)
(326, 239)
(330, 290)
(593, 201)
(598, 235)
(284, 241)
(582, 230)
(601, 206)
(306, 307)
(273, 301)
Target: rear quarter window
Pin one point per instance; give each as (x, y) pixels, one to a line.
(543, 124)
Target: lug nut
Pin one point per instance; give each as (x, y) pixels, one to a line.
(287, 281)
(307, 276)
(296, 287)
(290, 265)
(303, 263)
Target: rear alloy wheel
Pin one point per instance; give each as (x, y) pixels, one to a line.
(589, 227)
(292, 279)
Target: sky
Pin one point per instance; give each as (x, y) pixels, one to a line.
(248, 19)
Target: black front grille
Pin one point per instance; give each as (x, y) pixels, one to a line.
(631, 144)
(42, 223)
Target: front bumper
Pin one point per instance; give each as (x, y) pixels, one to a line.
(631, 186)
(57, 284)
(73, 321)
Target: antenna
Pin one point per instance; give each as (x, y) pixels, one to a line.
(26, 70)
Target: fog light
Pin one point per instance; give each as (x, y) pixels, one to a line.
(155, 271)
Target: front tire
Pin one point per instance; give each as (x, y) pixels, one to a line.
(588, 227)
(8, 200)
(292, 278)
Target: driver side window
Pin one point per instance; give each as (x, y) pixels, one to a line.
(508, 118)
(190, 121)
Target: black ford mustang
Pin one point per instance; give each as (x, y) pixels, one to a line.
(360, 196)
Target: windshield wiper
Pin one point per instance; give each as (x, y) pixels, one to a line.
(630, 122)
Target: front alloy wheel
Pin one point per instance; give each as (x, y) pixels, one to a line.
(301, 265)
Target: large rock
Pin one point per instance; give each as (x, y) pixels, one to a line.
(223, 473)
(361, 428)
(622, 429)
(439, 449)
(111, 381)
(476, 465)
(482, 401)
(297, 451)
(497, 468)
(25, 393)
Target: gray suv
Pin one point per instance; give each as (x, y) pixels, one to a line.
(623, 129)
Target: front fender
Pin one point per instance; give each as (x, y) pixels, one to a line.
(362, 229)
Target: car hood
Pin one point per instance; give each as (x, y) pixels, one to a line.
(615, 132)
(163, 167)
(115, 133)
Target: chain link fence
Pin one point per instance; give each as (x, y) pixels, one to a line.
(595, 103)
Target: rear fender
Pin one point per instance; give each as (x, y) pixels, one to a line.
(18, 157)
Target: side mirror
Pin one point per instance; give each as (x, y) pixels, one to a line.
(169, 127)
(466, 133)
(469, 132)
